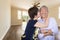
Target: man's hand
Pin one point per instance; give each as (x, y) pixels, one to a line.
(43, 31)
(46, 32)
(50, 32)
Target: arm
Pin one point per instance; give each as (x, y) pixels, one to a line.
(53, 28)
(48, 33)
(41, 25)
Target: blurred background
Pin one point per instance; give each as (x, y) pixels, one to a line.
(14, 16)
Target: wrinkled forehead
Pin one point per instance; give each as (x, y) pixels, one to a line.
(44, 8)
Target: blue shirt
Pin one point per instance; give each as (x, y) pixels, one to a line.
(53, 26)
(30, 29)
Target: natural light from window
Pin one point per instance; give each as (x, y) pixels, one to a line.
(19, 14)
(59, 13)
(24, 17)
(25, 13)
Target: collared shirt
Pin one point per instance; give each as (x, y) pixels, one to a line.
(52, 25)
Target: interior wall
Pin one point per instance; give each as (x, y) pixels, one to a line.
(14, 18)
(4, 17)
(54, 12)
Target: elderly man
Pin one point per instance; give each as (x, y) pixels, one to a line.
(50, 30)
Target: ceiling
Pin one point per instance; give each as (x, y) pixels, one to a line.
(26, 4)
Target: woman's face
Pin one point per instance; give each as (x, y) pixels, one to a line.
(38, 14)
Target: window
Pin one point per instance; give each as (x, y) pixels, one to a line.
(25, 18)
(25, 15)
(19, 14)
(59, 13)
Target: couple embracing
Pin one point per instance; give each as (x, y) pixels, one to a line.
(47, 25)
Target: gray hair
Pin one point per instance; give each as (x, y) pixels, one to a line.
(44, 7)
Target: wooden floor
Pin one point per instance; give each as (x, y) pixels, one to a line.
(14, 33)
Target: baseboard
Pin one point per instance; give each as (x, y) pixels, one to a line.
(5, 33)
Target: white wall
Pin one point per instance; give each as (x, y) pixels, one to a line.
(54, 12)
(14, 16)
(4, 17)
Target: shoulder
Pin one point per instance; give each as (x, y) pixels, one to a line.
(52, 18)
(32, 21)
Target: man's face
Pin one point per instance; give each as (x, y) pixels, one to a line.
(44, 12)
